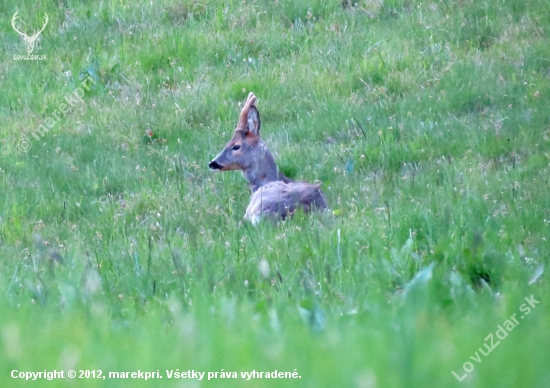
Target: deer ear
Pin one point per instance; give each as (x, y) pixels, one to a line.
(253, 121)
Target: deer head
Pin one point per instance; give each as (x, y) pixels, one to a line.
(29, 40)
(246, 151)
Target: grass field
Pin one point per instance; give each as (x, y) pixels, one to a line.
(427, 122)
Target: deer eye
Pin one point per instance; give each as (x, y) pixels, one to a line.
(236, 147)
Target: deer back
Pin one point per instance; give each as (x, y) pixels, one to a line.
(278, 200)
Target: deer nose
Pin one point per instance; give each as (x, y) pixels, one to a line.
(214, 165)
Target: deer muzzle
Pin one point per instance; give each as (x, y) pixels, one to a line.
(214, 165)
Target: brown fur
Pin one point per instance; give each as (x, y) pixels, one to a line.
(273, 194)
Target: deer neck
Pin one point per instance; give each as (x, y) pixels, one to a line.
(263, 171)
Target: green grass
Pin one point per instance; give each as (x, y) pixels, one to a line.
(427, 123)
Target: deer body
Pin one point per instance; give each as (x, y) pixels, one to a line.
(273, 194)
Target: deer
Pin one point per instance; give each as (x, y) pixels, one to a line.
(29, 40)
(274, 196)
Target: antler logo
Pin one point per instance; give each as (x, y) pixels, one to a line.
(29, 40)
